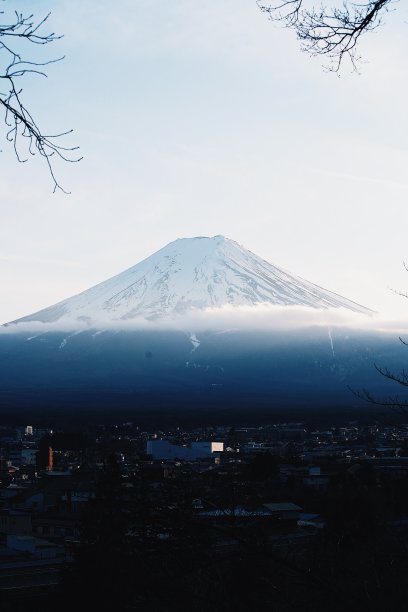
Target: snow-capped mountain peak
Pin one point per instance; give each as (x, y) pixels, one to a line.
(192, 273)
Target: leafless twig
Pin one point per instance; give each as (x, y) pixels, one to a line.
(22, 129)
(332, 32)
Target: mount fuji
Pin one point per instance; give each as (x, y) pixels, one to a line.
(191, 274)
(90, 352)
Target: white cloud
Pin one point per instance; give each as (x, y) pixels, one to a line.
(242, 318)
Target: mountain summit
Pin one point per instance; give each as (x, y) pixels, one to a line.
(192, 273)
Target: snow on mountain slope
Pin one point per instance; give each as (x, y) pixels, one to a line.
(192, 273)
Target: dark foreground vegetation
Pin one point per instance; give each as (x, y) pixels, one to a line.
(288, 516)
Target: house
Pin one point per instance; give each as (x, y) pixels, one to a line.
(315, 479)
(163, 449)
(284, 511)
(40, 549)
(15, 522)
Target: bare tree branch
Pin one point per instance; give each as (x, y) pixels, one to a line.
(22, 130)
(393, 401)
(333, 32)
(401, 378)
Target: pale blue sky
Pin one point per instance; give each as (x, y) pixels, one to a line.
(202, 119)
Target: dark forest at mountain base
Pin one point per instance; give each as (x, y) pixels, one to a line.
(107, 409)
(148, 372)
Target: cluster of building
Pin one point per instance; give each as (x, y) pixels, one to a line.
(274, 475)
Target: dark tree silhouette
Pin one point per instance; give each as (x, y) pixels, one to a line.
(398, 401)
(19, 34)
(330, 31)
